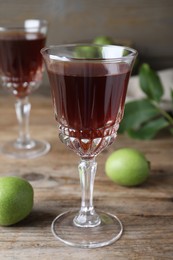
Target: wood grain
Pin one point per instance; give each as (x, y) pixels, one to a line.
(146, 211)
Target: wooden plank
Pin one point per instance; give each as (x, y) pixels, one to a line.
(146, 211)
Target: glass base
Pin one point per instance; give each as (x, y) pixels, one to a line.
(33, 150)
(109, 230)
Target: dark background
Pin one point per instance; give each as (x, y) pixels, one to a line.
(145, 24)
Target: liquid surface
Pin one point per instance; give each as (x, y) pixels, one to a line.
(88, 96)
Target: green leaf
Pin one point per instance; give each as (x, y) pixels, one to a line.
(149, 130)
(172, 95)
(171, 130)
(150, 83)
(136, 113)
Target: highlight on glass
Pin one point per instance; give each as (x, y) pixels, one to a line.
(88, 85)
(21, 69)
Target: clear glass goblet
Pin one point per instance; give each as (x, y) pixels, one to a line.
(88, 85)
(21, 69)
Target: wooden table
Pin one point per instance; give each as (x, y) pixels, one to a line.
(146, 211)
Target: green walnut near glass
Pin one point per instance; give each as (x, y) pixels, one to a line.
(127, 167)
(16, 200)
(89, 52)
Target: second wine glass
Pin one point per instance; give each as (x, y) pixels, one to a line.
(21, 69)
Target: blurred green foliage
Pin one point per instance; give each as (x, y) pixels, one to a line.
(144, 118)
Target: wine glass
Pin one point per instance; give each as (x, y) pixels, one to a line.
(88, 86)
(21, 69)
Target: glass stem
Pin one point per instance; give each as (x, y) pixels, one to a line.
(23, 108)
(87, 217)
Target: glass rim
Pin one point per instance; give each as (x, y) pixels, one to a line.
(133, 53)
(6, 27)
